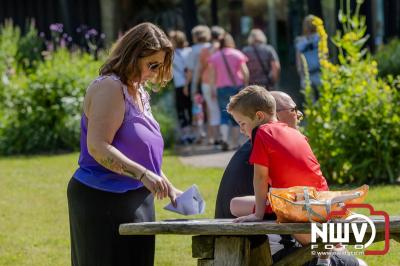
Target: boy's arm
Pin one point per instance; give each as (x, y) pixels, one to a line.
(260, 183)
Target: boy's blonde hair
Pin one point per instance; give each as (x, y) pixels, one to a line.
(252, 99)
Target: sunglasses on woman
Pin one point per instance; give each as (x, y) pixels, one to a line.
(153, 67)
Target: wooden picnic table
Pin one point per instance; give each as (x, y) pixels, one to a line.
(222, 242)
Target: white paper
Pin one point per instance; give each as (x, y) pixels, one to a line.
(189, 203)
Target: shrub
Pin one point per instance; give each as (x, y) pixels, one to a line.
(354, 126)
(388, 58)
(41, 94)
(43, 108)
(9, 37)
(162, 108)
(29, 50)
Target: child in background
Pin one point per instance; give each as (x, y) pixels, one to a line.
(198, 116)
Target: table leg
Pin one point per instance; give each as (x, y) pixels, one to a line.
(231, 250)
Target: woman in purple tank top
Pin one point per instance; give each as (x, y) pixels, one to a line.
(120, 162)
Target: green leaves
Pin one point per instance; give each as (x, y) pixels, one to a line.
(41, 97)
(388, 57)
(354, 126)
(44, 105)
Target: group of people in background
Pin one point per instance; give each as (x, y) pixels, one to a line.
(208, 73)
(213, 69)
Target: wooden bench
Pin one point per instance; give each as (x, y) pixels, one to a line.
(221, 242)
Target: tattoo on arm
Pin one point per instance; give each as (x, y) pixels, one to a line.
(111, 164)
(117, 167)
(129, 173)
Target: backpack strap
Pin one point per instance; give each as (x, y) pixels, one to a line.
(228, 69)
(260, 62)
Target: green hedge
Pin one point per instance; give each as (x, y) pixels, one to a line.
(41, 97)
(388, 58)
(354, 126)
(9, 38)
(43, 107)
(163, 110)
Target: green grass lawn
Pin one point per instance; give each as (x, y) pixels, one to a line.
(34, 226)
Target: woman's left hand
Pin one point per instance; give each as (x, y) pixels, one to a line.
(173, 193)
(249, 218)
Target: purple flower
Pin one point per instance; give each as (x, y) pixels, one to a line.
(62, 43)
(42, 35)
(53, 27)
(50, 46)
(92, 32)
(56, 27)
(69, 39)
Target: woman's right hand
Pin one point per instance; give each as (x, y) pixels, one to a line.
(156, 184)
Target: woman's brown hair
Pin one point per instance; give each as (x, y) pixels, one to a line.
(227, 41)
(141, 41)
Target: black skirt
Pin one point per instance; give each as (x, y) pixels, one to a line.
(95, 216)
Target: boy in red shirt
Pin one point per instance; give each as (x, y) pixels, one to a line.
(281, 155)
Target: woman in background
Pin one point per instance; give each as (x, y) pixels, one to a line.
(263, 64)
(228, 75)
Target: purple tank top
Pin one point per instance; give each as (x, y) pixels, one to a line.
(139, 138)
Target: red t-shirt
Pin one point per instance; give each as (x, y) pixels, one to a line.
(288, 156)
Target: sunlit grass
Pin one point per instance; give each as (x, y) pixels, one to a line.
(34, 227)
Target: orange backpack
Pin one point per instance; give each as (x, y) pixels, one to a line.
(306, 204)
